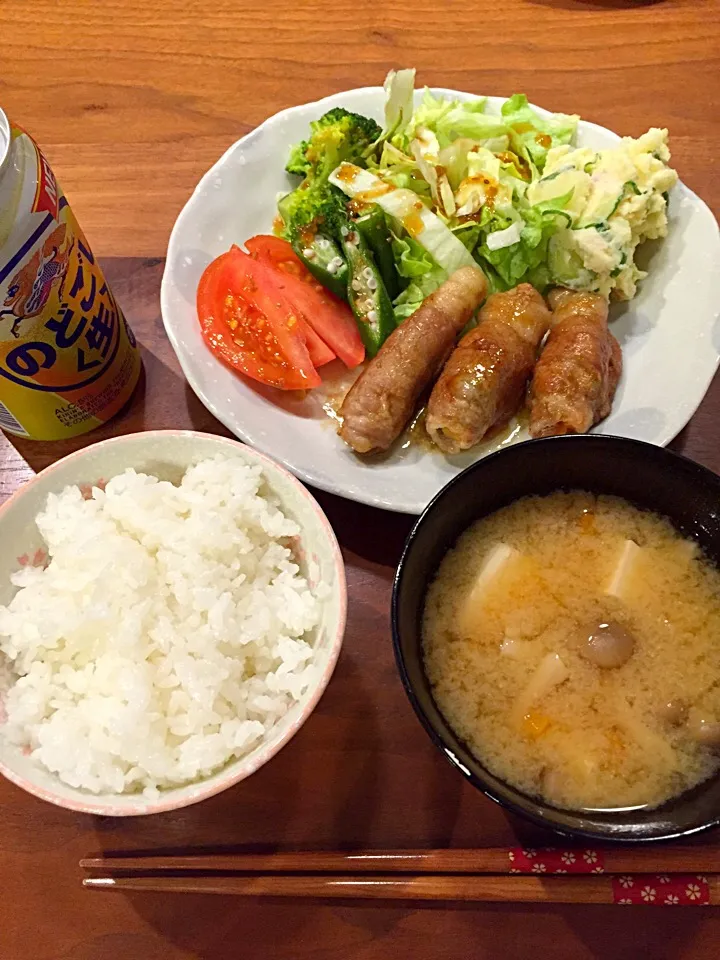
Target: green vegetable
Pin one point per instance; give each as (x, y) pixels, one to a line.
(401, 170)
(531, 134)
(366, 292)
(421, 273)
(554, 207)
(412, 260)
(450, 119)
(311, 219)
(455, 183)
(399, 88)
(565, 265)
(528, 133)
(326, 263)
(312, 213)
(297, 162)
(468, 233)
(495, 282)
(374, 231)
(525, 260)
(403, 208)
(338, 135)
(554, 175)
(480, 155)
(629, 187)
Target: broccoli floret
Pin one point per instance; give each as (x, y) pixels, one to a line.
(319, 207)
(316, 206)
(338, 135)
(297, 162)
(360, 127)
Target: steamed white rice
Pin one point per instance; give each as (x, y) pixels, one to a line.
(169, 631)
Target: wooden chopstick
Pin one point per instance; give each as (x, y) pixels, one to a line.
(465, 887)
(580, 860)
(663, 875)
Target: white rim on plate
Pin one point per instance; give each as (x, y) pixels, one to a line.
(639, 422)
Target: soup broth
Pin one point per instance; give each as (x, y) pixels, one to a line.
(572, 642)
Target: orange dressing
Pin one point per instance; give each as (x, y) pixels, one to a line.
(252, 333)
(357, 207)
(347, 172)
(520, 163)
(307, 236)
(368, 196)
(413, 224)
(490, 188)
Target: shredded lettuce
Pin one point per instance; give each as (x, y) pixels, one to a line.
(473, 170)
(411, 259)
(406, 213)
(399, 88)
(421, 273)
(508, 191)
(468, 233)
(526, 259)
(532, 134)
(450, 119)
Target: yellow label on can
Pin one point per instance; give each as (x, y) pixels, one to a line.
(68, 359)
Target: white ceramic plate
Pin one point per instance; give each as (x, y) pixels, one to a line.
(670, 333)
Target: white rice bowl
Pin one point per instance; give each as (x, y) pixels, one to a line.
(181, 627)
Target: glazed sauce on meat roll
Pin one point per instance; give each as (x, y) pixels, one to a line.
(579, 368)
(382, 400)
(483, 383)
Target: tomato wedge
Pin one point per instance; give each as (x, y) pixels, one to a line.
(278, 251)
(331, 319)
(320, 352)
(262, 287)
(249, 328)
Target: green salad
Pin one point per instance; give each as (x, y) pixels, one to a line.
(382, 216)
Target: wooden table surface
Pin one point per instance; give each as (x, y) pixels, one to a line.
(132, 101)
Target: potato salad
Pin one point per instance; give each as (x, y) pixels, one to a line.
(615, 198)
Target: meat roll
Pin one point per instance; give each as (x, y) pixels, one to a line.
(382, 399)
(483, 383)
(579, 368)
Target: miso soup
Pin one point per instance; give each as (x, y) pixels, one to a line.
(573, 642)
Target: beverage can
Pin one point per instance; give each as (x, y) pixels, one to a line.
(68, 359)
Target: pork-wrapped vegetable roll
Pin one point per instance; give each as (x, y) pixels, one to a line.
(483, 383)
(579, 368)
(382, 400)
